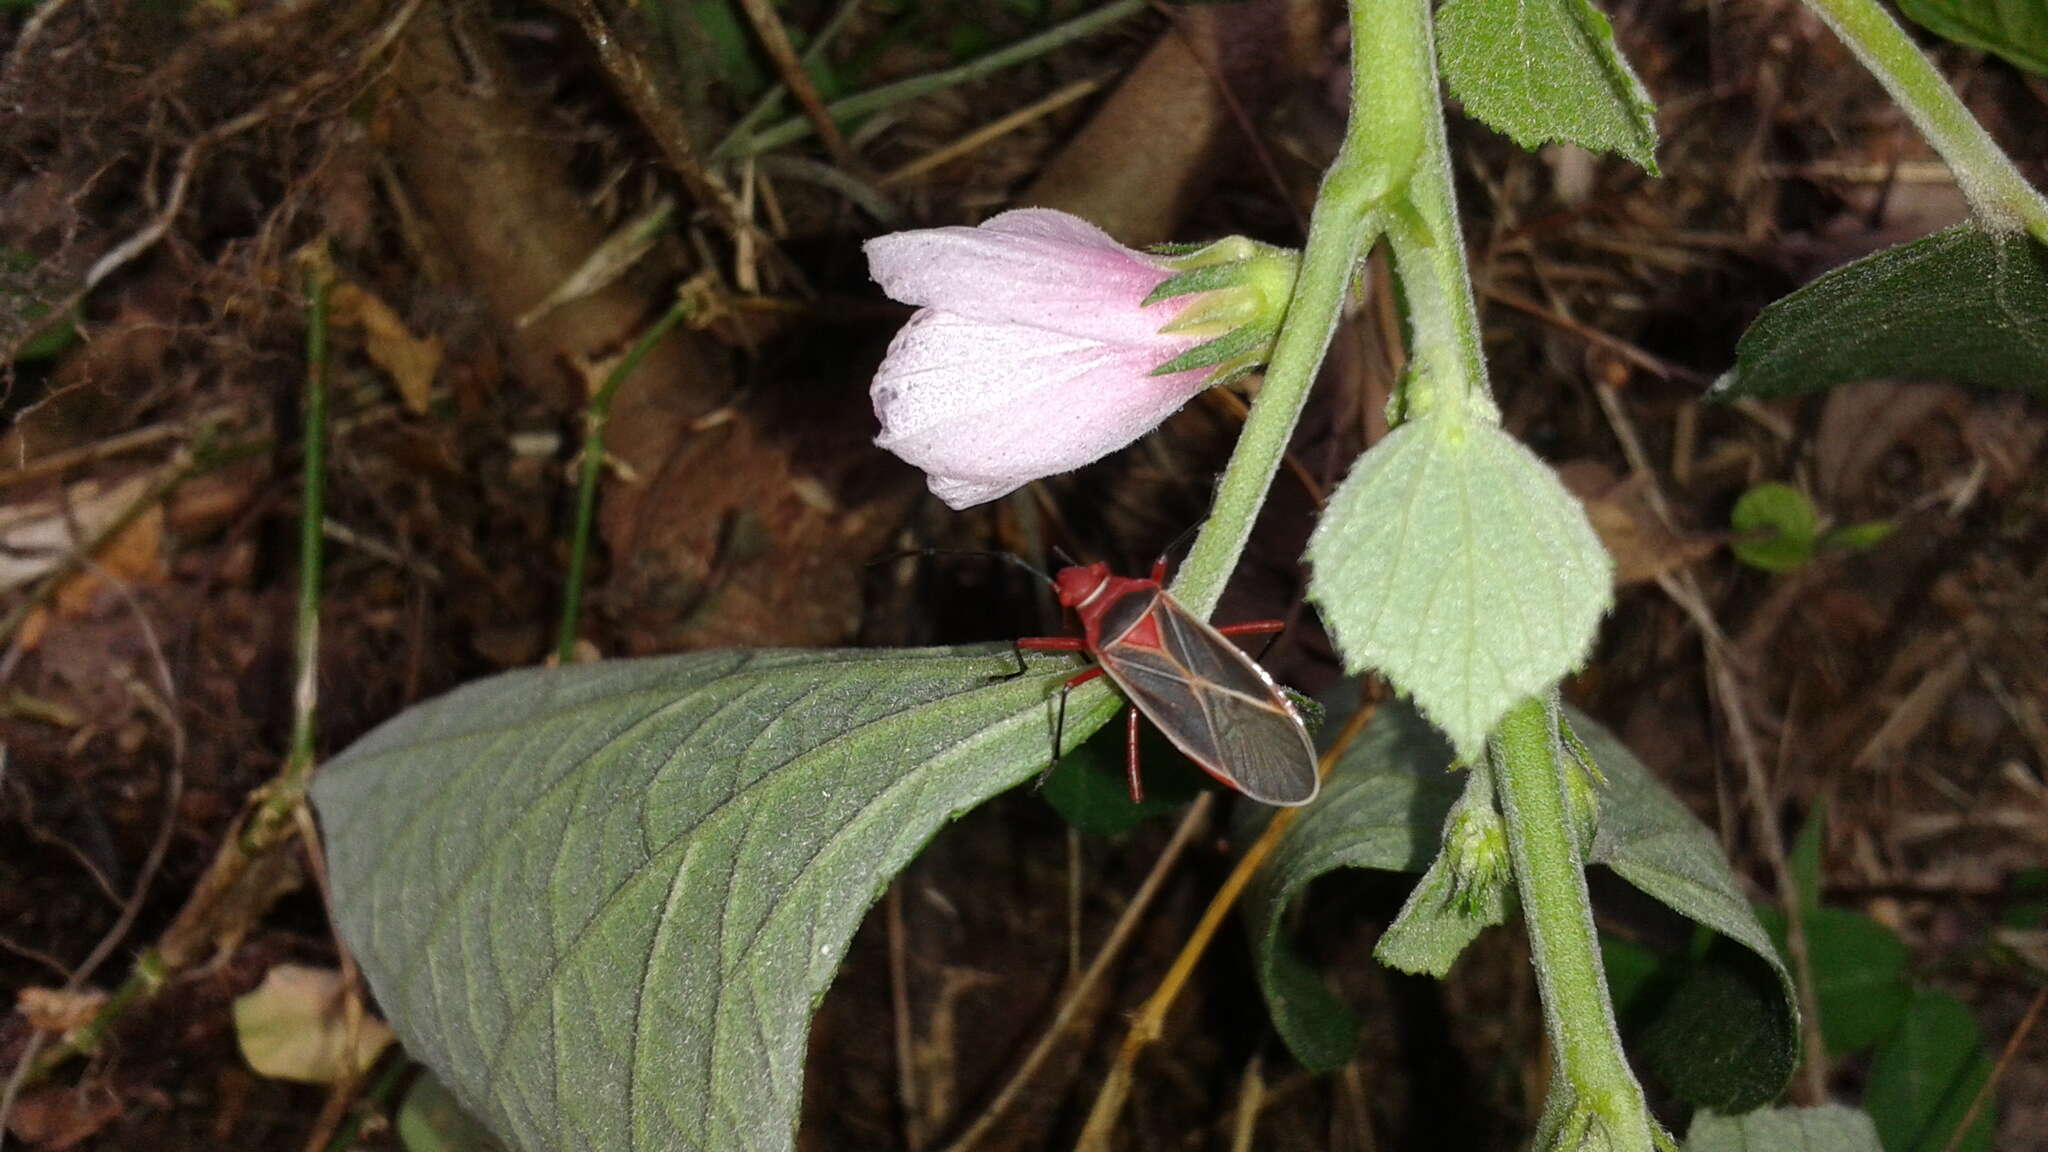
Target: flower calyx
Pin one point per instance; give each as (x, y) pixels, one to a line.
(1240, 289)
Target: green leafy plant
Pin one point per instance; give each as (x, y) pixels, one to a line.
(601, 902)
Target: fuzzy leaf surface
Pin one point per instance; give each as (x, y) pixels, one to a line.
(1452, 561)
(1828, 1128)
(1544, 70)
(1962, 305)
(601, 902)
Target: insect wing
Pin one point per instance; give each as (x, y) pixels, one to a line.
(1215, 704)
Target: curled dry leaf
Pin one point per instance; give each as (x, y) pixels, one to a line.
(296, 1026)
(1642, 545)
(411, 361)
(57, 1010)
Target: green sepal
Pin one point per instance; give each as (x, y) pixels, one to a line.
(1249, 341)
(1206, 278)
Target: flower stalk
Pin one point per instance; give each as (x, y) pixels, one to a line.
(1595, 1099)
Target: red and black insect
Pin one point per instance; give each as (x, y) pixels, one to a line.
(1217, 706)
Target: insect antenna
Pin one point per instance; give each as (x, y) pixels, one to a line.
(1010, 558)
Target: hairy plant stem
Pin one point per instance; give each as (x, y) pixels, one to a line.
(2001, 197)
(1393, 89)
(1447, 371)
(1593, 1089)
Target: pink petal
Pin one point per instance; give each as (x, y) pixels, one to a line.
(984, 408)
(1032, 266)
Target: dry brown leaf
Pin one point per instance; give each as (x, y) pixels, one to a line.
(56, 1010)
(62, 1116)
(295, 1026)
(1642, 546)
(1859, 424)
(411, 361)
(134, 556)
(36, 536)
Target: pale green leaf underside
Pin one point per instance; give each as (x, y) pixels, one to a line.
(1828, 1128)
(1453, 562)
(1543, 70)
(601, 902)
(1962, 305)
(2014, 29)
(1382, 808)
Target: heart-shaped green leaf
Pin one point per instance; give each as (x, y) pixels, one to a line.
(1453, 562)
(2015, 29)
(1859, 975)
(1383, 805)
(1542, 70)
(1963, 305)
(601, 902)
(1828, 1128)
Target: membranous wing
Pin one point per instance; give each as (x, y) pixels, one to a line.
(1210, 699)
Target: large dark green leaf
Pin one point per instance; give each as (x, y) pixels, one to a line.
(1924, 1078)
(1383, 806)
(2015, 29)
(1542, 70)
(601, 902)
(1964, 305)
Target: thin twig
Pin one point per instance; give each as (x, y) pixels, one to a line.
(775, 41)
(994, 130)
(890, 95)
(2005, 1055)
(1112, 947)
(1150, 1023)
(1648, 362)
(1236, 109)
(771, 100)
(899, 1019)
(292, 99)
(29, 1066)
(56, 463)
(634, 82)
(595, 417)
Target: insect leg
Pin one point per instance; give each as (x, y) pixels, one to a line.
(1059, 726)
(1131, 759)
(1271, 628)
(1041, 644)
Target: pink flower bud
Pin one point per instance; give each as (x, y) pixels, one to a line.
(1032, 352)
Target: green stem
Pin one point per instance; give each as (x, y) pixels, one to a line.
(1392, 90)
(1447, 370)
(2001, 197)
(595, 416)
(1594, 1086)
(306, 675)
(889, 95)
